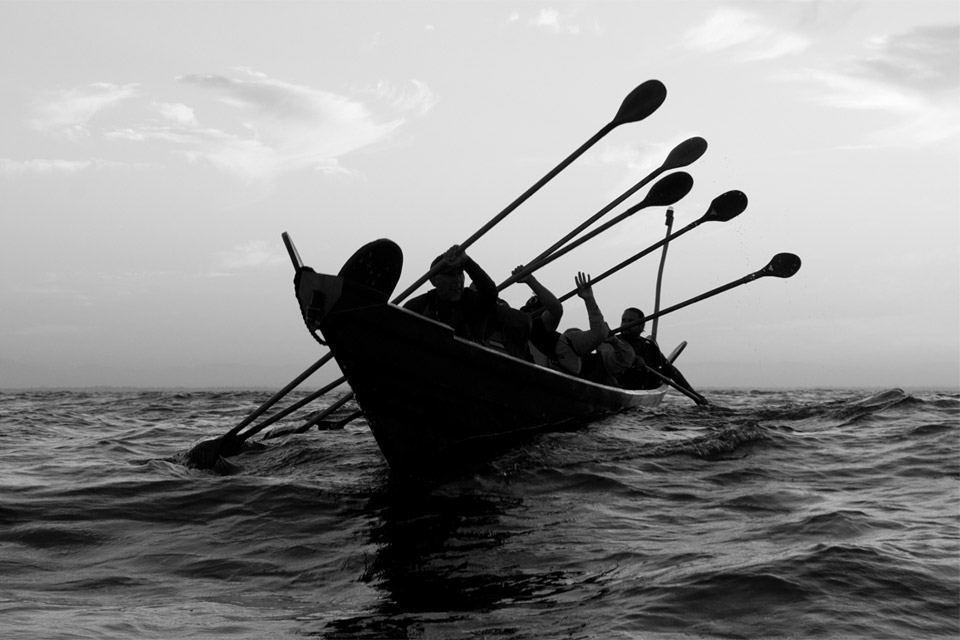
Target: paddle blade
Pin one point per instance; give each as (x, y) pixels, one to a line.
(669, 190)
(726, 206)
(641, 102)
(783, 265)
(685, 153)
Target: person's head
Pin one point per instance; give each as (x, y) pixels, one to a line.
(448, 282)
(632, 314)
(531, 305)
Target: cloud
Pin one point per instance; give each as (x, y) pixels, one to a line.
(9, 167)
(418, 98)
(926, 59)
(68, 112)
(914, 76)
(245, 123)
(248, 255)
(637, 160)
(270, 127)
(178, 113)
(554, 21)
(746, 34)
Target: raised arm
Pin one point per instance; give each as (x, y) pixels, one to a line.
(486, 287)
(553, 308)
(597, 325)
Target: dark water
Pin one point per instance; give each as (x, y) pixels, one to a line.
(788, 514)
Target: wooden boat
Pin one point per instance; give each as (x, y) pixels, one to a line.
(435, 401)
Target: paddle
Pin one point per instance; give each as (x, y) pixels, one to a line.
(205, 454)
(782, 265)
(723, 208)
(690, 393)
(332, 425)
(323, 414)
(296, 405)
(320, 420)
(665, 192)
(684, 154)
(676, 352)
(639, 103)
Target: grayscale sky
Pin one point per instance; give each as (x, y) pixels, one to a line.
(151, 154)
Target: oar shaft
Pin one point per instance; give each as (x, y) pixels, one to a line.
(534, 264)
(279, 394)
(709, 294)
(323, 414)
(693, 395)
(612, 270)
(513, 205)
(579, 241)
(294, 407)
(544, 180)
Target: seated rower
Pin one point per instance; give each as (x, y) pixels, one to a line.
(508, 329)
(545, 312)
(466, 310)
(648, 354)
(571, 351)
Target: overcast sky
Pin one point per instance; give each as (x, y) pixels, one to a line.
(151, 154)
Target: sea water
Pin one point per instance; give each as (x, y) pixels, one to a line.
(773, 514)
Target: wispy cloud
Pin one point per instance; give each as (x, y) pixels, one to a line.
(245, 123)
(637, 160)
(926, 59)
(417, 97)
(248, 255)
(69, 112)
(567, 22)
(746, 35)
(271, 127)
(914, 75)
(49, 166)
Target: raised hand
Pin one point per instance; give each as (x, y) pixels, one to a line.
(584, 290)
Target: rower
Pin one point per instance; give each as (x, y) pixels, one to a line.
(648, 354)
(466, 310)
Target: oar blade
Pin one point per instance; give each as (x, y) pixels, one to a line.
(641, 102)
(685, 153)
(726, 206)
(669, 190)
(783, 265)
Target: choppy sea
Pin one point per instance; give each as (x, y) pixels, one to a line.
(775, 514)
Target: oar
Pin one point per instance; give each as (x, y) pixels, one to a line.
(682, 155)
(332, 425)
(723, 208)
(323, 414)
(782, 265)
(690, 393)
(639, 103)
(321, 422)
(296, 405)
(665, 192)
(205, 454)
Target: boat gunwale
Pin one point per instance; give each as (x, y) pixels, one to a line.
(662, 389)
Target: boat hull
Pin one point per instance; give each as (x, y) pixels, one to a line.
(435, 401)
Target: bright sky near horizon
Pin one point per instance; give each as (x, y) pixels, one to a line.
(153, 152)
